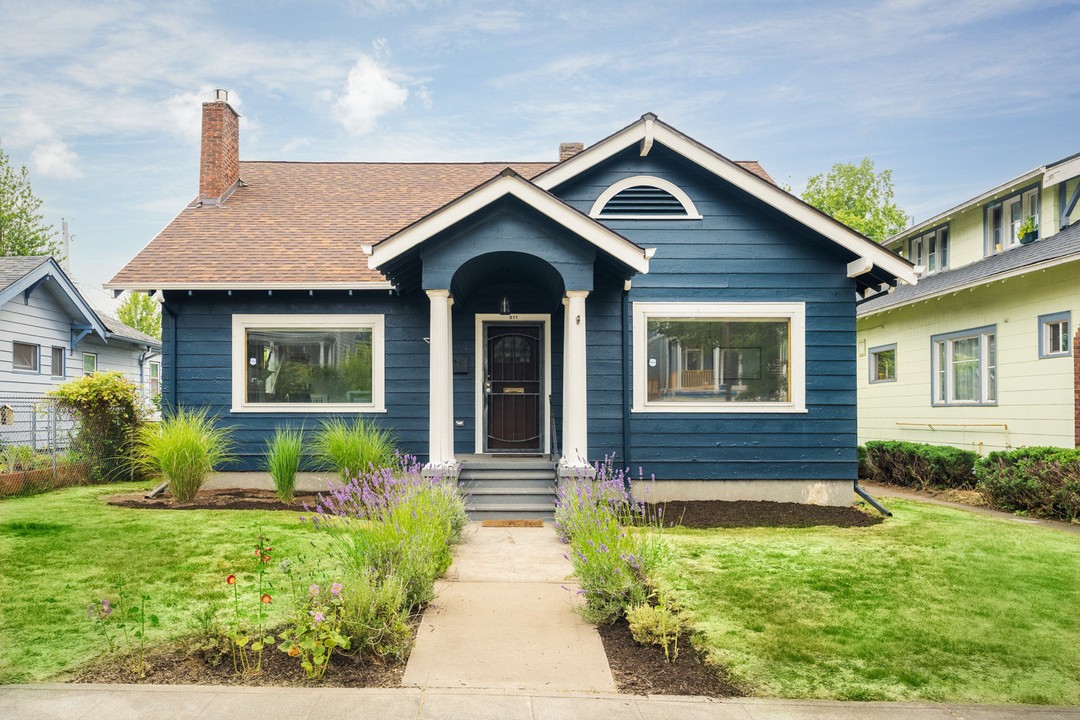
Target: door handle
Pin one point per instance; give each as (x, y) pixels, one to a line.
(487, 386)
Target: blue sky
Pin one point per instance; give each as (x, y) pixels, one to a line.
(102, 103)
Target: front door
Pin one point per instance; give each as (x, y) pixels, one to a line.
(513, 387)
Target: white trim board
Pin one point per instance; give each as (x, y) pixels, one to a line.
(794, 312)
(301, 321)
(510, 184)
(478, 363)
(738, 176)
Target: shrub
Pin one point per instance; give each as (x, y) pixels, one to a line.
(1041, 481)
(612, 561)
(353, 449)
(109, 414)
(283, 454)
(376, 614)
(660, 624)
(184, 448)
(920, 466)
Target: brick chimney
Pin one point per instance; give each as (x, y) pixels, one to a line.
(219, 167)
(569, 150)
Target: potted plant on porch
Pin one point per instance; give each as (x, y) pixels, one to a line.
(1028, 231)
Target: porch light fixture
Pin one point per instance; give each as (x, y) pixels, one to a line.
(504, 304)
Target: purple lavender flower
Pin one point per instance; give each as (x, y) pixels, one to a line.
(335, 589)
(318, 617)
(313, 590)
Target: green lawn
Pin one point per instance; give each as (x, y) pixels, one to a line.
(934, 604)
(63, 549)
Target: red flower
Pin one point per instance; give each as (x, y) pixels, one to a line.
(231, 580)
(265, 599)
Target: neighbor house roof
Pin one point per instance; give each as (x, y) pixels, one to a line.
(1055, 250)
(304, 225)
(121, 331)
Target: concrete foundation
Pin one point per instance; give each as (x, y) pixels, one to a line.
(309, 481)
(810, 492)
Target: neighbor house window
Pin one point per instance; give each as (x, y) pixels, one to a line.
(59, 355)
(321, 363)
(883, 363)
(155, 378)
(1005, 218)
(964, 367)
(1054, 335)
(89, 363)
(25, 357)
(931, 250)
(719, 357)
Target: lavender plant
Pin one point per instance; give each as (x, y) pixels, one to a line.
(614, 548)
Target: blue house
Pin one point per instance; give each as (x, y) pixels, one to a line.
(644, 296)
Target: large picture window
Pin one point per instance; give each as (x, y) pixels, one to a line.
(329, 363)
(965, 367)
(719, 357)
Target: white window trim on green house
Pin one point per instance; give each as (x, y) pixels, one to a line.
(303, 323)
(1000, 227)
(794, 313)
(1051, 343)
(875, 364)
(946, 366)
(930, 250)
(89, 363)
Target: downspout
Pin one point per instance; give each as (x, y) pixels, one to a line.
(626, 359)
(866, 496)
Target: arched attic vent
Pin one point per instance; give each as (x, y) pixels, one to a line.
(644, 197)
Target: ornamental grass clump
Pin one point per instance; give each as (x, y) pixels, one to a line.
(353, 448)
(184, 448)
(614, 548)
(284, 452)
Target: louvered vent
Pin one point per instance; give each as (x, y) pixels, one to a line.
(644, 201)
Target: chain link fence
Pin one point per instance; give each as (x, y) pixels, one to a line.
(36, 437)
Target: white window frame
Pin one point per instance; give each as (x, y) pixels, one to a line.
(1029, 200)
(93, 355)
(650, 181)
(63, 362)
(36, 368)
(1045, 321)
(242, 323)
(152, 377)
(942, 392)
(793, 312)
(873, 362)
(931, 250)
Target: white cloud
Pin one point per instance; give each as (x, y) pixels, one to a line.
(50, 156)
(371, 91)
(183, 112)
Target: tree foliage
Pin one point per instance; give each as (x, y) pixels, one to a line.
(142, 312)
(23, 230)
(859, 197)
(107, 405)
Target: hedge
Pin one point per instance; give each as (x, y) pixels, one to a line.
(920, 466)
(1038, 481)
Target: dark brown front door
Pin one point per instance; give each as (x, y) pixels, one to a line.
(513, 387)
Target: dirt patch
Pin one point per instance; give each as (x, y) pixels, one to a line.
(751, 513)
(173, 665)
(233, 499)
(643, 669)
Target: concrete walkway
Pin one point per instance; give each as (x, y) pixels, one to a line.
(123, 702)
(504, 618)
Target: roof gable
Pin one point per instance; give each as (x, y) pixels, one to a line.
(38, 270)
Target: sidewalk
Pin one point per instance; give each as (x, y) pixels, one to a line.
(120, 702)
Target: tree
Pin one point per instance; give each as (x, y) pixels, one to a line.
(858, 197)
(140, 311)
(22, 228)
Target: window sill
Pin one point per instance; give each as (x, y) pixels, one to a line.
(1055, 355)
(24, 371)
(881, 382)
(964, 404)
(309, 408)
(724, 408)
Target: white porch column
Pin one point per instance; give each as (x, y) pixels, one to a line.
(716, 370)
(440, 390)
(575, 400)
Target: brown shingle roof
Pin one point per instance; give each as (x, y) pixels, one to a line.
(297, 223)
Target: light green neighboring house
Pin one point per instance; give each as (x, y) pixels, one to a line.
(979, 353)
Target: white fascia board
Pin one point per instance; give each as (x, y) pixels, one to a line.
(50, 267)
(740, 178)
(1061, 172)
(607, 240)
(148, 286)
(1016, 272)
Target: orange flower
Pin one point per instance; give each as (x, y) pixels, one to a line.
(294, 651)
(265, 599)
(231, 580)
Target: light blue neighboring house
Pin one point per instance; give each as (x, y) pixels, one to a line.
(50, 333)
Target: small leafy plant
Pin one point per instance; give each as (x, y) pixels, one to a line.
(316, 630)
(247, 632)
(1027, 226)
(284, 451)
(123, 626)
(184, 448)
(661, 624)
(352, 449)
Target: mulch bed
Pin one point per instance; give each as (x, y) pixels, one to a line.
(233, 499)
(173, 665)
(643, 669)
(756, 513)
